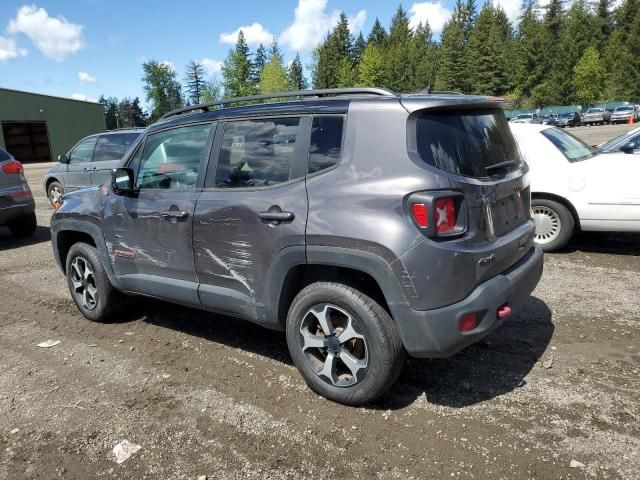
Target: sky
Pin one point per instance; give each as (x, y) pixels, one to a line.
(84, 48)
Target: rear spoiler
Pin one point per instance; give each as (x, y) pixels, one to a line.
(451, 102)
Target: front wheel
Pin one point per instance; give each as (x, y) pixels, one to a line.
(54, 191)
(344, 344)
(554, 224)
(89, 284)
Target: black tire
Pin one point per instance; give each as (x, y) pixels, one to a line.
(107, 300)
(381, 346)
(54, 187)
(23, 227)
(566, 224)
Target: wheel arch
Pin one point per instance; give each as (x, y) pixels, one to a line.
(561, 200)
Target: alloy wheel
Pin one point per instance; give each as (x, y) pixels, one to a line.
(332, 345)
(548, 224)
(84, 283)
(55, 193)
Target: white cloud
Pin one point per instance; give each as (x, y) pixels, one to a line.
(9, 50)
(510, 7)
(311, 23)
(84, 77)
(254, 34)
(213, 67)
(56, 38)
(83, 97)
(433, 12)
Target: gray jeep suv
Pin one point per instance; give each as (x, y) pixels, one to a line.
(89, 162)
(363, 223)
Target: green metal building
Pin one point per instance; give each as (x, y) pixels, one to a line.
(38, 128)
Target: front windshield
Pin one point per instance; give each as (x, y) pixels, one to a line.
(572, 148)
(624, 109)
(524, 117)
(594, 110)
(614, 144)
(566, 115)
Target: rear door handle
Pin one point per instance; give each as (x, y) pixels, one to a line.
(174, 214)
(277, 216)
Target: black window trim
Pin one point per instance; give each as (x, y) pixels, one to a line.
(342, 143)
(142, 142)
(299, 164)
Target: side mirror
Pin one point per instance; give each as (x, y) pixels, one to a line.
(63, 158)
(628, 147)
(122, 181)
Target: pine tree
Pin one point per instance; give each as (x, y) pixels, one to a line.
(371, 68)
(296, 75)
(195, 78)
(328, 56)
(378, 35)
(162, 89)
(452, 64)
(111, 112)
(399, 68)
(274, 75)
(347, 74)
(605, 21)
(423, 52)
(588, 77)
(259, 60)
(358, 47)
(530, 68)
(237, 70)
(211, 91)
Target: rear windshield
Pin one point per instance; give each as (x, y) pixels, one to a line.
(572, 148)
(473, 143)
(4, 155)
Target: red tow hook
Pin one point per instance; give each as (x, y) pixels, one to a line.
(504, 312)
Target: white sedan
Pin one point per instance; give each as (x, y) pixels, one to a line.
(574, 187)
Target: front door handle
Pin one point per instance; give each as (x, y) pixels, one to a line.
(174, 214)
(277, 216)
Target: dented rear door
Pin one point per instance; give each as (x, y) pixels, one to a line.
(254, 206)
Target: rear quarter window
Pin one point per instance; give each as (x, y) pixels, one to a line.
(469, 142)
(326, 142)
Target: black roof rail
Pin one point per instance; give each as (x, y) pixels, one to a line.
(299, 94)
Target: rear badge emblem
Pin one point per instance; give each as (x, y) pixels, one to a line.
(486, 261)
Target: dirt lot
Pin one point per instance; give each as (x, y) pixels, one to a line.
(597, 134)
(208, 395)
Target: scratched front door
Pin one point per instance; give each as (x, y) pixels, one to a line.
(255, 205)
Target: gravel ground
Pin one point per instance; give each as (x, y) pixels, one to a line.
(551, 395)
(597, 134)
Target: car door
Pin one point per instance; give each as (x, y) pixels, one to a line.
(149, 233)
(252, 212)
(107, 155)
(78, 173)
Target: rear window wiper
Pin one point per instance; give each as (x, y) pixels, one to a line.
(496, 166)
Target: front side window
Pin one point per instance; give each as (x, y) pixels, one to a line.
(326, 142)
(110, 147)
(171, 158)
(572, 148)
(256, 153)
(83, 151)
(473, 143)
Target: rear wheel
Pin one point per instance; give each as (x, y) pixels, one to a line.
(54, 191)
(554, 224)
(23, 227)
(344, 343)
(89, 284)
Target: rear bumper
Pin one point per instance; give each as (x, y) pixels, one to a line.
(435, 333)
(17, 210)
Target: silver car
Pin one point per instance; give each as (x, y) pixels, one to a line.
(89, 162)
(17, 208)
(624, 113)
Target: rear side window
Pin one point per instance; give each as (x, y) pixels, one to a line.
(256, 153)
(572, 148)
(326, 142)
(110, 147)
(4, 155)
(473, 143)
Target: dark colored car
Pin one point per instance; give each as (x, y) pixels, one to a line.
(569, 119)
(89, 162)
(550, 119)
(363, 223)
(17, 208)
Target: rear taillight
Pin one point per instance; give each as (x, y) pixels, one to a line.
(420, 215)
(468, 322)
(438, 214)
(13, 166)
(445, 215)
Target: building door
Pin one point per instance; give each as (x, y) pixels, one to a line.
(28, 142)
